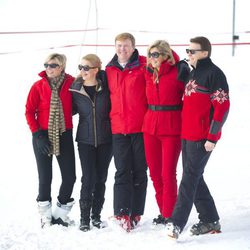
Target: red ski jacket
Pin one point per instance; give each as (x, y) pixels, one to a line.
(206, 102)
(167, 94)
(38, 103)
(127, 94)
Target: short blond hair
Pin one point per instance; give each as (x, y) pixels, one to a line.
(60, 59)
(126, 36)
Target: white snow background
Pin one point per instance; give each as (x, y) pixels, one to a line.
(227, 173)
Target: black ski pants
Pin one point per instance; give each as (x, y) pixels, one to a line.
(66, 162)
(130, 185)
(95, 163)
(193, 189)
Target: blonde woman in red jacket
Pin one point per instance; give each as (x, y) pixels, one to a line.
(162, 125)
(49, 116)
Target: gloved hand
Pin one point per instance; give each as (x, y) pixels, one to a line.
(42, 141)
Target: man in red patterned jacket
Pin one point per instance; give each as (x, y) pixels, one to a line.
(128, 106)
(205, 109)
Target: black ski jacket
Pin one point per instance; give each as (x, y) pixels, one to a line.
(94, 122)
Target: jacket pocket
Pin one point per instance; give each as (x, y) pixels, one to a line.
(82, 132)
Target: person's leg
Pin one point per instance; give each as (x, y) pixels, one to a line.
(104, 155)
(123, 181)
(153, 150)
(171, 148)
(66, 161)
(87, 154)
(44, 168)
(139, 175)
(208, 215)
(204, 203)
(194, 159)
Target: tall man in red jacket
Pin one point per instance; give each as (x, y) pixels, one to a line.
(205, 109)
(128, 105)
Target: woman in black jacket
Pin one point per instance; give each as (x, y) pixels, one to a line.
(92, 102)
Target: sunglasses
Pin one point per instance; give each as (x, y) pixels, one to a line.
(154, 54)
(85, 67)
(52, 65)
(193, 51)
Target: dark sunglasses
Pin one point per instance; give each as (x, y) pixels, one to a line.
(52, 65)
(154, 54)
(193, 51)
(85, 67)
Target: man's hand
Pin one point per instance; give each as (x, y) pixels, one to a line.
(209, 146)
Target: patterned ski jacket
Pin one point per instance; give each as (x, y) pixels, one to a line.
(206, 101)
(166, 95)
(38, 103)
(127, 93)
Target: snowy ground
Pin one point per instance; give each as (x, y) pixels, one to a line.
(227, 173)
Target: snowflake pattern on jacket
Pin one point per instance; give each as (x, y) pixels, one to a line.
(206, 101)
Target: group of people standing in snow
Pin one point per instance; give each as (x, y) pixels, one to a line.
(143, 111)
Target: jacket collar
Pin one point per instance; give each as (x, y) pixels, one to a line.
(78, 85)
(43, 74)
(204, 62)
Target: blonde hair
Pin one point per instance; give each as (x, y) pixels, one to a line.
(94, 60)
(125, 36)
(164, 48)
(60, 59)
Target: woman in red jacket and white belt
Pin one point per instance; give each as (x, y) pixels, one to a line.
(162, 125)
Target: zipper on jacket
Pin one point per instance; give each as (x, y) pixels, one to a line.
(157, 91)
(94, 120)
(94, 114)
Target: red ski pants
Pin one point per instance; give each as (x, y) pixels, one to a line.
(162, 153)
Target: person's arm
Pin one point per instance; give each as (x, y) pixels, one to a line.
(220, 102)
(183, 71)
(31, 109)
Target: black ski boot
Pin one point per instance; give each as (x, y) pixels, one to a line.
(160, 220)
(84, 224)
(96, 213)
(206, 228)
(96, 221)
(85, 206)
